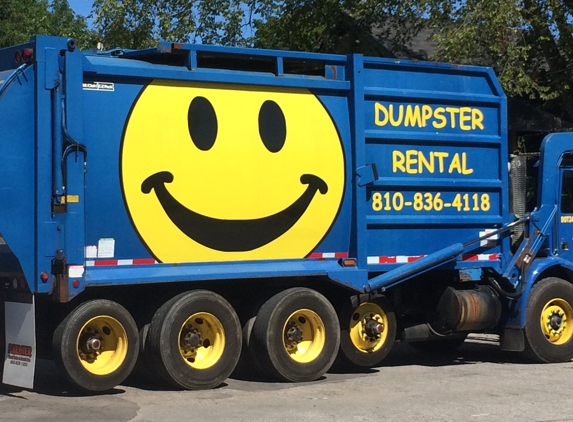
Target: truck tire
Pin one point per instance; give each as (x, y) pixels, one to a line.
(296, 335)
(194, 340)
(367, 332)
(248, 367)
(96, 345)
(549, 321)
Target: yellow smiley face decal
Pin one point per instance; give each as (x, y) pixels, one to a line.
(226, 172)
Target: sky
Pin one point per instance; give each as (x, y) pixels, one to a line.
(81, 7)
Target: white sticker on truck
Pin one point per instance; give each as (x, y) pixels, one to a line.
(106, 248)
(75, 271)
(99, 86)
(91, 251)
(20, 352)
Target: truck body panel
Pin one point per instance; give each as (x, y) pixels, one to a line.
(439, 159)
(17, 194)
(430, 147)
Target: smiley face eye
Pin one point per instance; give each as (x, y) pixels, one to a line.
(272, 126)
(202, 122)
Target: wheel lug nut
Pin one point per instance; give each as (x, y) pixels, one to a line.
(93, 344)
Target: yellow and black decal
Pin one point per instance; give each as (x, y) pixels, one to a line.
(225, 172)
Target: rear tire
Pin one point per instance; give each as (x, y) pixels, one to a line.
(296, 335)
(549, 321)
(248, 367)
(96, 345)
(194, 340)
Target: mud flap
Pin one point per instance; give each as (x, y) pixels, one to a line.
(20, 351)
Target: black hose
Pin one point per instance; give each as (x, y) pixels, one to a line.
(74, 146)
(492, 279)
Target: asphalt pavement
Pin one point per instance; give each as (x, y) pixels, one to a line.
(478, 383)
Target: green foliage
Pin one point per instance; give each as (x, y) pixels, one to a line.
(141, 23)
(65, 23)
(528, 43)
(337, 26)
(307, 25)
(21, 19)
(492, 34)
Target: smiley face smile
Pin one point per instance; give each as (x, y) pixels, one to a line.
(232, 235)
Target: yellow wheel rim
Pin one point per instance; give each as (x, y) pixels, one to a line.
(557, 321)
(304, 336)
(201, 340)
(102, 345)
(368, 327)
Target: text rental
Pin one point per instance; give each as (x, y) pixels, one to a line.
(416, 162)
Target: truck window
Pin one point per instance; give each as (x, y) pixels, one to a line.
(531, 184)
(567, 192)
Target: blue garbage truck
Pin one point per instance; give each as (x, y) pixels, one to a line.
(188, 210)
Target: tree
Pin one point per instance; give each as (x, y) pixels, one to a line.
(141, 23)
(529, 43)
(64, 22)
(336, 26)
(20, 19)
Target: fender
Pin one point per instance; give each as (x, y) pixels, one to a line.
(515, 317)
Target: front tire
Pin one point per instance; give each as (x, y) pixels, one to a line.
(296, 335)
(549, 321)
(194, 340)
(96, 345)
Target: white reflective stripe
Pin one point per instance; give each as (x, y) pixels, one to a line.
(125, 262)
(491, 239)
(320, 255)
(487, 231)
(404, 259)
(121, 262)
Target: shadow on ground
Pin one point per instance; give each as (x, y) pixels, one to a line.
(472, 351)
(48, 380)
